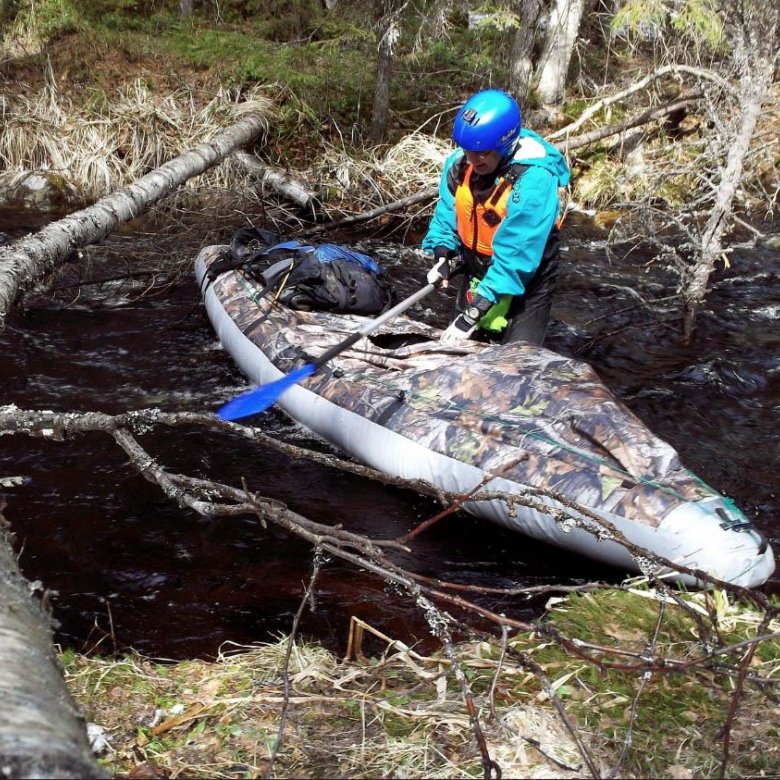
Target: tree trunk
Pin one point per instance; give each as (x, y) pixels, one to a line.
(26, 261)
(42, 733)
(213, 6)
(757, 39)
(523, 44)
(651, 115)
(280, 181)
(553, 66)
(388, 34)
(389, 13)
(696, 285)
(185, 9)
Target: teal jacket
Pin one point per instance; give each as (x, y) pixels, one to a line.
(532, 210)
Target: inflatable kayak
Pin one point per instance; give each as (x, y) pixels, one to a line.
(518, 419)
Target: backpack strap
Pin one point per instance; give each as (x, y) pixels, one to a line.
(243, 256)
(248, 242)
(245, 245)
(514, 172)
(227, 262)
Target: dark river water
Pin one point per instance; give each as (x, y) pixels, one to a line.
(131, 569)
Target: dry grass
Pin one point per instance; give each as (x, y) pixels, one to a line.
(379, 175)
(404, 715)
(120, 137)
(221, 719)
(395, 716)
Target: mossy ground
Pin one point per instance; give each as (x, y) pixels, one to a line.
(318, 60)
(403, 715)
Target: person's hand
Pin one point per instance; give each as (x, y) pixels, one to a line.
(442, 268)
(464, 325)
(460, 329)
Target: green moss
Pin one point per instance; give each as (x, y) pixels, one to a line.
(398, 727)
(68, 659)
(692, 701)
(42, 21)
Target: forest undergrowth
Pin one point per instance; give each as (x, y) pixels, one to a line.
(638, 689)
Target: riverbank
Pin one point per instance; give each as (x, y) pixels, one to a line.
(623, 682)
(103, 97)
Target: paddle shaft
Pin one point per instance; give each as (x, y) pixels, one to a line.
(373, 325)
(262, 397)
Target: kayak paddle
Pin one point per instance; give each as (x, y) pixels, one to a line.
(259, 399)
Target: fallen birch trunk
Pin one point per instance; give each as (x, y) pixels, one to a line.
(411, 200)
(26, 261)
(651, 115)
(42, 733)
(283, 183)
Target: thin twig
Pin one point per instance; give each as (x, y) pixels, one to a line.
(317, 561)
(736, 696)
(643, 680)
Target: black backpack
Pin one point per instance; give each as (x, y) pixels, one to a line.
(308, 277)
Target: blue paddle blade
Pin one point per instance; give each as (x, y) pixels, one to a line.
(259, 399)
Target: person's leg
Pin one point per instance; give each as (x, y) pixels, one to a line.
(529, 315)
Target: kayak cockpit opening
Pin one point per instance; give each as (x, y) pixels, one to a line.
(394, 341)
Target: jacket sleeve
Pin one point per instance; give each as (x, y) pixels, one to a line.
(519, 241)
(442, 230)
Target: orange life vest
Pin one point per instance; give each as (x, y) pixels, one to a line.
(477, 222)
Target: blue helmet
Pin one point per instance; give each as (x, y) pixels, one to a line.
(488, 121)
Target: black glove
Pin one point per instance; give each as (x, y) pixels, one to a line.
(464, 325)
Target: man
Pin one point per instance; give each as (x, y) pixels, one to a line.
(497, 217)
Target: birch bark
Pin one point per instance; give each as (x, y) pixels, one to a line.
(553, 66)
(42, 732)
(757, 54)
(26, 261)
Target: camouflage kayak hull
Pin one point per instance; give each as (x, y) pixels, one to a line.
(516, 419)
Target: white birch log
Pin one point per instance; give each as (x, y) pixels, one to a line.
(279, 181)
(28, 260)
(565, 17)
(42, 732)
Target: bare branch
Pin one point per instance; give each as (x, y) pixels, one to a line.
(638, 86)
